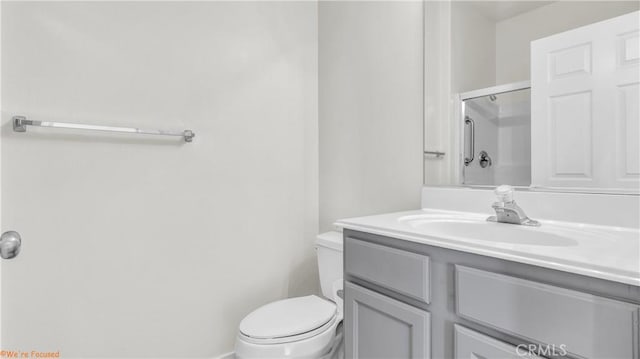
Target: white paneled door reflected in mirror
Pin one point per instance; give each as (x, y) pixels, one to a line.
(553, 108)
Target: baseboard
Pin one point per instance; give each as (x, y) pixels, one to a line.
(230, 355)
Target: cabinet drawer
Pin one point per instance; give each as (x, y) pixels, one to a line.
(471, 344)
(377, 326)
(404, 272)
(588, 326)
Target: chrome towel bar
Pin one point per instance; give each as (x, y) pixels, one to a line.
(438, 154)
(20, 124)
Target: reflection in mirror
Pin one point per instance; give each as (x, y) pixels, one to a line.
(547, 108)
(497, 139)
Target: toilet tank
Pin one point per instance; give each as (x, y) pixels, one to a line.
(329, 250)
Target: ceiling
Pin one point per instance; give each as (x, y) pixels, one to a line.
(500, 10)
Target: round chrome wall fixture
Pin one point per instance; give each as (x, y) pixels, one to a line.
(10, 243)
(484, 160)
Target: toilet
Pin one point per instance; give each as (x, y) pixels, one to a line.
(301, 327)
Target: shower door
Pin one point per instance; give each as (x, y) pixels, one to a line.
(496, 136)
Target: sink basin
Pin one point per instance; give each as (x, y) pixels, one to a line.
(481, 230)
(607, 252)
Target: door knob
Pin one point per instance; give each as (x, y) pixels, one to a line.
(10, 243)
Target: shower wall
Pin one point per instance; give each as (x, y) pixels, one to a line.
(484, 114)
(137, 247)
(513, 164)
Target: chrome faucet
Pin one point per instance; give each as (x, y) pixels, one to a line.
(507, 211)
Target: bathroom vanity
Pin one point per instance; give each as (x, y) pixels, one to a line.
(443, 284)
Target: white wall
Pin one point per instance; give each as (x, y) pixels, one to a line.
(137, 247)
(370, 103)
(514, 35)
(1, 346)
(473, 48)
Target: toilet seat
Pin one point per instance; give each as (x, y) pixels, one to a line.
(303, 327)
(292, 338)
(288, 320)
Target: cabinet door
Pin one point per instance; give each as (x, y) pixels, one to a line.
(401, 271)
(377, 326)
(470, 344)
(588, 326)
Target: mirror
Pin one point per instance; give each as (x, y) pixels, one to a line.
(508, 101)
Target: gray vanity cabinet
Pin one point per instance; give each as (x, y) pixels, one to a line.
(411, 300)
(381, 327)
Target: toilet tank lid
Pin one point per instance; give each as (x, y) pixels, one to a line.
(332, 239)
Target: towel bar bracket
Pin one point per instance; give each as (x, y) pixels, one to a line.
(19, 124)
(188, 135)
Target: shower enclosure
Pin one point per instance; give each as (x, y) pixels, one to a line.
(496, 135)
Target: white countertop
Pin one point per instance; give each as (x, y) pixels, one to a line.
(606, 252)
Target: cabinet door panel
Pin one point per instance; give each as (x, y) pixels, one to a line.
(377, 326)
(401, 271)
(470, 344)
(588, 326)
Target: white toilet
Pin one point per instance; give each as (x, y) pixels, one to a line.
(302, 327)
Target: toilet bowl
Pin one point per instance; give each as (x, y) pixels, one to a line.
(300, 327)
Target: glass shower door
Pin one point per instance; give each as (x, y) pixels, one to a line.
(497, 139)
